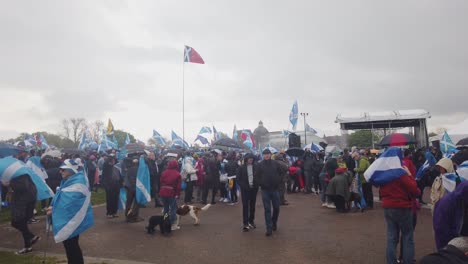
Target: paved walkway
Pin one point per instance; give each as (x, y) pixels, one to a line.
(307, 233)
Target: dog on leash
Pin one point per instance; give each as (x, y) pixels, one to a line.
(163, 221)
(192, 210)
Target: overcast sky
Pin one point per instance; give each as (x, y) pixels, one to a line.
(123, 60)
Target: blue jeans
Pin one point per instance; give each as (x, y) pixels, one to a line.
(399, 219)
(271, 198)
(170, 206)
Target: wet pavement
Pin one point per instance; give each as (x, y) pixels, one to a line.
(307, 233)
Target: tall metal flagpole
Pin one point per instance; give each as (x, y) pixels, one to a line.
(183, 98)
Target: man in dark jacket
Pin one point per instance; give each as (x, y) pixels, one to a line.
(308, 167)
(131, 207)
(111, 180)
(249, 189)
(23, 199)
(154, 176)
(268, 177)
(456, 252)
(211, 179)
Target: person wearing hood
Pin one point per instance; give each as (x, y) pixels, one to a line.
(445, 165)
(269, 177)
(132, 208)
(249, 189)
(212, 177)
(170, 190)
(338, 189)
(450, 217)
(231, 169)
(190, 177)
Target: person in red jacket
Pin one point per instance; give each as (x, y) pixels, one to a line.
(170, 183)
(397, 201)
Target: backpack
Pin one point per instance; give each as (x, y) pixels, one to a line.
(437, 190)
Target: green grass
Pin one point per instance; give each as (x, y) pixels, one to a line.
(9, 257)
(96, 199)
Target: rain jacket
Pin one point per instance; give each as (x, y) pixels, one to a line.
(448, 216)
(399, 193)
(170, 180)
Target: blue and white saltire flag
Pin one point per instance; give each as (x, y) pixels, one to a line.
(272, 149)
(35, 164)
(310, 129)
(386, 169)
(127, 140)
(158, 138)
(215, 134)
(462, 170)
(294, 115)
(44, 143)
(314, 147)
(449, 181)
(143, 184)
(178, 141)
(122, 199)
(72, 213)
(248, 142)
(205, 129)
(83, 141)
(286, 133)
(429, 163)
(202, 139)
(11, 168)
(446, 144)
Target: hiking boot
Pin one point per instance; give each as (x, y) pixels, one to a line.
(23, 251)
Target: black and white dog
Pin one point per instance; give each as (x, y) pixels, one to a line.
(163, 222)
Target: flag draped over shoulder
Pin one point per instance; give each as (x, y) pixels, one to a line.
(143, 183)
(294, 115)
(11, 168)
(386, 169)
(449, 181)
(72, 213)
(462, 170)
(429, 163)
(35, 164)
(191, 55)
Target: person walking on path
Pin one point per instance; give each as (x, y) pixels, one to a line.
(249, 189)
(269, 177)
(171, 182)
(112, 182)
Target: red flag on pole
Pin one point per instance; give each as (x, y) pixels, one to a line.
(191, 55)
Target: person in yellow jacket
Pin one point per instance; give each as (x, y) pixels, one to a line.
(362, 165)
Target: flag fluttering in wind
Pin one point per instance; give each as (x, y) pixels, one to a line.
(35, 164)
(143, 183)
(106, 143)
(205, 130)
(247, 139)
(44, 143)
(110, 128)
(127, 140)
(158, 138)
(286, 133)
(215, 134)
(192, 56)
(293, 116)
(310, 129)
(11, 168)
(202, 139)
(83, 141)
(446, 144)
(178, 141)
(387, 168)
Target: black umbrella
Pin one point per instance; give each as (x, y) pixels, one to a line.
(398, 139)
(463, 143)
(7, 149)
(134, 148)
(295, 152)
(227, 142)
(73, 151)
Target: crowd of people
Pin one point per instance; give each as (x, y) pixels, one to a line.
(337, 178)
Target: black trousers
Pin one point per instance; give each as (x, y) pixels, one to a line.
(132, 209)
(233, 192)
(368, 194)
(222, 189)
(112, 199)
(21, 223)
(339, 203)
(73, 250)
(249, 199)
(206, 188)
(189, 192)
